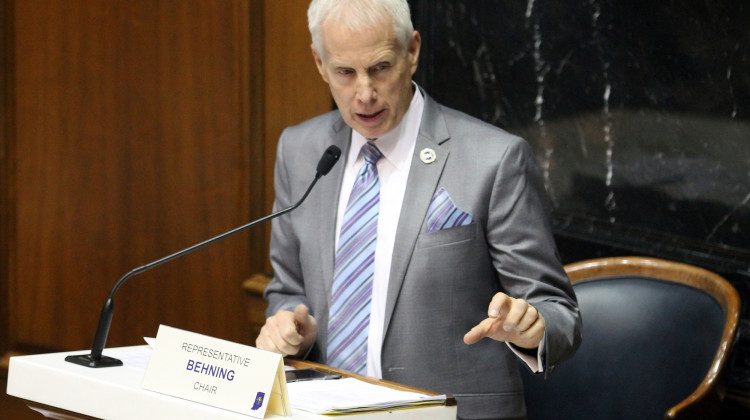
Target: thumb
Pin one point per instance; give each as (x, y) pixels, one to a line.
(478, 332)
(300, 315)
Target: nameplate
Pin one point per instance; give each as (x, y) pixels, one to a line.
(218, 373)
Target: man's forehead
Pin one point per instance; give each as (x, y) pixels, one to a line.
(369, 59)
(372, 47)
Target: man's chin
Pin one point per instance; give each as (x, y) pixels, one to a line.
(368, 132)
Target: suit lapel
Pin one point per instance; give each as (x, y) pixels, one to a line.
(421, 185)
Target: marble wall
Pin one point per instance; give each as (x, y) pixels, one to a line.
(638, 111)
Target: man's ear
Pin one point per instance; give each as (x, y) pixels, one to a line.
(415, 43)
(318, 62)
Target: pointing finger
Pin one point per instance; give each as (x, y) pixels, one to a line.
(478, 332)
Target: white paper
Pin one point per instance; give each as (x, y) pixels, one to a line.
(135, 357)
(349, 395)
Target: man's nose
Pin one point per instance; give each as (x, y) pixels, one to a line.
(366, 90)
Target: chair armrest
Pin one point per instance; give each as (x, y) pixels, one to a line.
(256, 284)
(256, 308)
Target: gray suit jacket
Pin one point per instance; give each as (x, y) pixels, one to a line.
(441, 282)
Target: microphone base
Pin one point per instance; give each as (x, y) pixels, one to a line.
(87, 361)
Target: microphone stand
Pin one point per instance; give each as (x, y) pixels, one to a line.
(95, 359)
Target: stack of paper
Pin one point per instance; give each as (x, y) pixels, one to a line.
(350, 395)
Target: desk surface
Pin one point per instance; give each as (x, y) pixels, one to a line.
(49, 383)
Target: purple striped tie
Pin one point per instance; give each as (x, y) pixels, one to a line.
(349, 314)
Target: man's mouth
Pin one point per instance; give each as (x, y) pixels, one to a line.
(370, 117)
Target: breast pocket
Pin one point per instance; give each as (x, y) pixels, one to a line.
(447, 236)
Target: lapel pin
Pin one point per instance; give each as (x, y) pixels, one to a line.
(427, 155)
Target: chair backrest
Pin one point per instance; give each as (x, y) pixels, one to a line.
(656, 335)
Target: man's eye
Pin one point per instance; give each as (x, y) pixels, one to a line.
(345, 72)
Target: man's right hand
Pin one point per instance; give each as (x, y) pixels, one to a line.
(288, 333)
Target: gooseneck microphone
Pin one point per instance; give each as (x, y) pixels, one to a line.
(96, 359)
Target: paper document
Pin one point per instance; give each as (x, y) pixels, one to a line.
(135, 357)
(350, 395)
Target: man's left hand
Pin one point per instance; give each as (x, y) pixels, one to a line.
(511, 320)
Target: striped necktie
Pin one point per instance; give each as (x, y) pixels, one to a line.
(349, 314)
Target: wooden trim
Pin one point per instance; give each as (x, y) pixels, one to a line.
(710, 390)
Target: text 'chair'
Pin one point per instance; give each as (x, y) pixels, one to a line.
(656, 336)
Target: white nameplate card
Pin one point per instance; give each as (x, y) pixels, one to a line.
(218, 373)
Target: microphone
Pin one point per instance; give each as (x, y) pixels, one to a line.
(96, 359)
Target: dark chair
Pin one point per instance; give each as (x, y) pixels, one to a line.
(656, 336)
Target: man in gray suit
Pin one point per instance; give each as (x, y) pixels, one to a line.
(463, 250)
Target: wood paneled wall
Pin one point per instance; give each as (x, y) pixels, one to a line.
(5, 172)
(131, 130)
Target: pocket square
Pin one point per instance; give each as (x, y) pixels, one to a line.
(443, 214)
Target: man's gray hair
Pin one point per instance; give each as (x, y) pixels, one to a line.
(359, 15)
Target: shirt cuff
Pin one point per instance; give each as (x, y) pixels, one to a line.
(533, 359)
